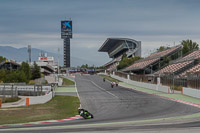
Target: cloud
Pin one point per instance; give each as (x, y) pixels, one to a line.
(155, 23)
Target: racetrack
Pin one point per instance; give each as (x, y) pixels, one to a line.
(119, 104)
(118, 109)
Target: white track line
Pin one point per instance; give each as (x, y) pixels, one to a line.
(77, 92)
(104, 90)
(100, 87)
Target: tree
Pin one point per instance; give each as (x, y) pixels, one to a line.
(26, 69)
(85, 66)
(189, 46)
(2, 75)
(125, 62)
(15, 77)
(35, 72)
(162, 48)
(2, 59)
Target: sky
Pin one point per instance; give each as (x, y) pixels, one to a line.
(153, 22)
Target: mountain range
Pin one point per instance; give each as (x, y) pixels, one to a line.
(21, 54)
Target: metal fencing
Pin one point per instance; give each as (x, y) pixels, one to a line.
(13, 90)
(8, 90)
(168, 80)
(121, 74)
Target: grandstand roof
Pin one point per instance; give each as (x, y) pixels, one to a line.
(112, 42)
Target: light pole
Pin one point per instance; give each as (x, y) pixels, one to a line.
(58, 58)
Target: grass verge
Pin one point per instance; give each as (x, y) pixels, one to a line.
(59, 107)
(109, 78)
(10, 99)
(67, 82)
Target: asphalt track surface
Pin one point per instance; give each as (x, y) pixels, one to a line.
(115, 105)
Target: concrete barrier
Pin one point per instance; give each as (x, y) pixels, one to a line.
(40, 99)
(191, 92)
(156, 87)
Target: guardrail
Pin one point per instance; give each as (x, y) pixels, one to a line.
(30, 90)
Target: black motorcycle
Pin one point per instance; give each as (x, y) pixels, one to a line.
(85, 114)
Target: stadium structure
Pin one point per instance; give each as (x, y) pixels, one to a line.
(116, 47)
(168, 67)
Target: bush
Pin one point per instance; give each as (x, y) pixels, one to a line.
(11, 99)
(31, 82)
(125, 62)
(178, 88)
(15, 77)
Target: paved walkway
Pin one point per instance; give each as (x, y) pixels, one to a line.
(170, 96)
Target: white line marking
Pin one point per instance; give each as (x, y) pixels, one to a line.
(77, 92)
(104, 90)
(100, 88)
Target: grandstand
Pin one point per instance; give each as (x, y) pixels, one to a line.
(195, 71)
(154, 61)
(182, 66)
(116, 47)
(9, 65)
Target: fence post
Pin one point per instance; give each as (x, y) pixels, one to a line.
(128, 77)
(4, 88)
(0, 102)
(12, 91)
(16, 92)
(182, 90)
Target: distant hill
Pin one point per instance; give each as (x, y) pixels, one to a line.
(21, 54)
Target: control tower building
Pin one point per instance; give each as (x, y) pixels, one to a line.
(66, 34)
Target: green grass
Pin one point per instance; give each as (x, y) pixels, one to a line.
(66, 89)
(109, 78)
(67, 82)
(10, 99)
(59, 107)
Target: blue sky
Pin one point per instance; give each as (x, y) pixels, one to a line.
(153, 22)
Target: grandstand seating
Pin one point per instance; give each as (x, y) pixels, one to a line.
(163, 53)
(172, 68)
(192, 56)
(153, 58)
(141, 65)
(112, 65)
(193, 70)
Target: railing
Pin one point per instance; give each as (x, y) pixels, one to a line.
(121, 74)
(172, 81)
(28, 90)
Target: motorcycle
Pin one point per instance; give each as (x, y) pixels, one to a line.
(85, 114)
